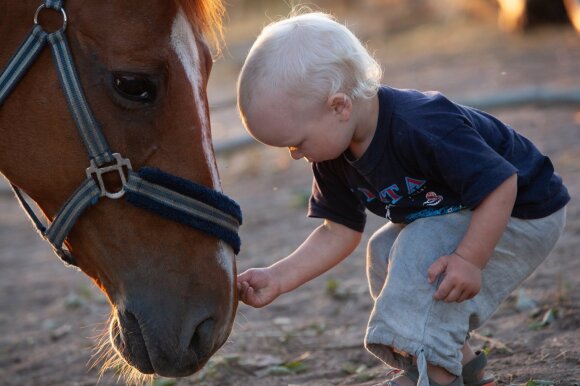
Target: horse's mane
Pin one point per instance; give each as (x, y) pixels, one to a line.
(207, 15)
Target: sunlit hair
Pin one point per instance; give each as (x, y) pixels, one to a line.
(308, 55)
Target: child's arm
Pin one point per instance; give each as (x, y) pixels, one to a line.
(326, 246)
(463, 267)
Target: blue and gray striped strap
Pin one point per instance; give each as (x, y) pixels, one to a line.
(186, 202)
(169, 196)
(54, 4)
(87, 126)
(31, 215)
(21, 61)
(87, 194)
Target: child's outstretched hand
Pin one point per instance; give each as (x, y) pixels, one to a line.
(461, 280)
(258, 287)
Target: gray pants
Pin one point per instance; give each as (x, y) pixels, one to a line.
(406, 322)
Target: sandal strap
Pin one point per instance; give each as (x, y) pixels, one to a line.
(413, 374)
(472, 371)
(472, 368)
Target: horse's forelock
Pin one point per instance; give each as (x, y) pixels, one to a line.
(207, 14)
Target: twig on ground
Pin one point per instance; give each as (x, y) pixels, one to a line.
(495, 343)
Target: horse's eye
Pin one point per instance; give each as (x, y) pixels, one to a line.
(134, 87)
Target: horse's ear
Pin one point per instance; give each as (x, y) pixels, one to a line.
(208, 15)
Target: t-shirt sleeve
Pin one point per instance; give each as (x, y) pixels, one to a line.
(465, 162)
(332, 198)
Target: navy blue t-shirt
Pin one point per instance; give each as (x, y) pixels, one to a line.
(428, 157)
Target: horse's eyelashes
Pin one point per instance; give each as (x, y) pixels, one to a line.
(135, 87)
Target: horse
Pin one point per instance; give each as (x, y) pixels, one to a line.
(147, 222)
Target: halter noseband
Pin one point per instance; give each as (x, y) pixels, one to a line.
(170, 196)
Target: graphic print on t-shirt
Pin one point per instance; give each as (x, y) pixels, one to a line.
(432, 199)
(416, 193)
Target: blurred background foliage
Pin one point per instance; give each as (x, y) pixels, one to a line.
(399, 15)
(377, 21)
(395, 28)
(379, 16)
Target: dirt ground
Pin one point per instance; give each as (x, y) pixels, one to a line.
(50, 316)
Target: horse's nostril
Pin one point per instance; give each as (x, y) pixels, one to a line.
(131, 318)
(203, 331)
(131, 324)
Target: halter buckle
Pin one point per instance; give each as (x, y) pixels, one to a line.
(118, 166)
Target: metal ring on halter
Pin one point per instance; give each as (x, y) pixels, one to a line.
(63, 13)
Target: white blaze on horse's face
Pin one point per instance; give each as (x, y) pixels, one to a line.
(183, 42)
(185, 46)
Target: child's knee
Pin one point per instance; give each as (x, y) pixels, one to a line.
(377, 262)
(378, 250)
(381, 241)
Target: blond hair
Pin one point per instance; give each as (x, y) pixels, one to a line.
(308, 55)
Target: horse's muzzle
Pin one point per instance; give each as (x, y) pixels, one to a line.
(127, 339)
(152, 345)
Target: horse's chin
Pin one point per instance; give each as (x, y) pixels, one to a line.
(131, 347)
(107, 357)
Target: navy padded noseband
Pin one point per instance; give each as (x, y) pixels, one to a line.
(188, 208)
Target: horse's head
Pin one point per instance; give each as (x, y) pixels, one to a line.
(144, 66)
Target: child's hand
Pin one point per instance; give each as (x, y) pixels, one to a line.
(461, 280)
(258, 287)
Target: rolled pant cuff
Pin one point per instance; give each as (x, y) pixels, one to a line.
(385, 346)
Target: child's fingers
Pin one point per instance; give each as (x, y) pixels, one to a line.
(466, 295)
(454, 295)
(243, 290)
(245, 276)
(250, 297)
(436, 269)
(444, 289)
(247, 294)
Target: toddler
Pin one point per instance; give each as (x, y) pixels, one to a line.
(472, 206)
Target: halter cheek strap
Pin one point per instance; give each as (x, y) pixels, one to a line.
(169, 196)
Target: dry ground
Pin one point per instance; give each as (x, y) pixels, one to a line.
(49, 315)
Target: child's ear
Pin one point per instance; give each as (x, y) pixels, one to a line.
(341, 105)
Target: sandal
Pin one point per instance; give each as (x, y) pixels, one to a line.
(473, 372)
(413, 374)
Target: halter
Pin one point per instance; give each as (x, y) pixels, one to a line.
(170, 196)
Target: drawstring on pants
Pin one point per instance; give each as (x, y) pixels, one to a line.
(422, 367)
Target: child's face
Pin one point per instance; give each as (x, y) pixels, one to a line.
(310, 130)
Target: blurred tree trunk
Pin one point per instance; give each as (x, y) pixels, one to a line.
(573, 8)
(523, 15)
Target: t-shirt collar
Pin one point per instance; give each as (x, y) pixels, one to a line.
(371, 157)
